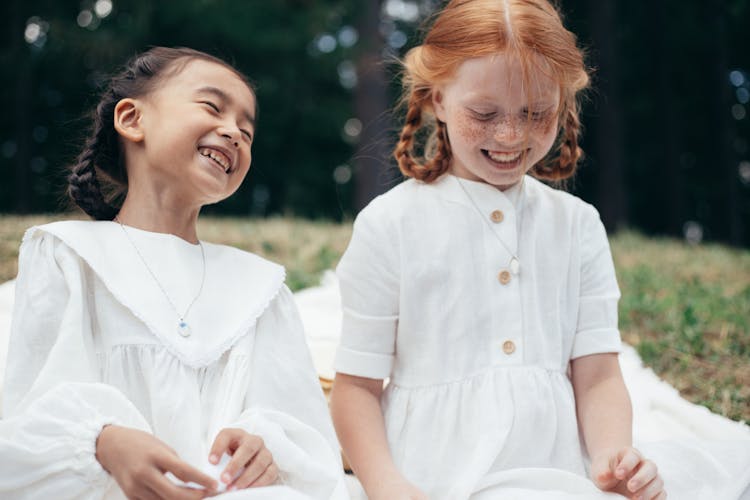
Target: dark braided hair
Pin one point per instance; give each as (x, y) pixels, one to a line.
(98, 180)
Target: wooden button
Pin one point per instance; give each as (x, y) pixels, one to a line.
(497, 216)
(509, 347)
(504, 277)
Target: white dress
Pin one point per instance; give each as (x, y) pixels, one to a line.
(479, 403)
(94, 341)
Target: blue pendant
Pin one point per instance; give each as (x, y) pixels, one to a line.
(183, 329)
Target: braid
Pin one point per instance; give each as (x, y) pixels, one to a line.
(564, 166)
(442, 159)
(100, 152)
(432, 168)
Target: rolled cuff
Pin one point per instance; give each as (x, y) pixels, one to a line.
(597, 341)
(363, 364)
(368, 344)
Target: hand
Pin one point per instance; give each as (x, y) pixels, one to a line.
(398, 489)
(626, 472)
(251, 464)
(138, 461)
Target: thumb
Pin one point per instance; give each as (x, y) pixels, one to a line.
(603, 476)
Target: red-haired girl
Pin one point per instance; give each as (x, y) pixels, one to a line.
(488, 298)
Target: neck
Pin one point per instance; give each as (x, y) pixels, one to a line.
(160, 216)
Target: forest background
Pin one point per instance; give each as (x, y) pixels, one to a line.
(666, 131)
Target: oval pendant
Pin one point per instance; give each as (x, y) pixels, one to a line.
(183, 329)
(514, 265)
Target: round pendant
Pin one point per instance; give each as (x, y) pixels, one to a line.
(514, 265)
(183, 329)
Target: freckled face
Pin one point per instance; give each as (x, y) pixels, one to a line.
(499, 126)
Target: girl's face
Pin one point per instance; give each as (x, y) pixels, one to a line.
(499, 126)
(198, 128)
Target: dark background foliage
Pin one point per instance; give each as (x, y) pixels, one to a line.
(666, 131)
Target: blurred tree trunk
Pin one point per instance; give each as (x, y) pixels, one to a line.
(23, 107)
(611, 187)
(371, 106)
(726, 217)
(673, 181)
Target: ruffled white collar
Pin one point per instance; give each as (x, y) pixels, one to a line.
(238, 286)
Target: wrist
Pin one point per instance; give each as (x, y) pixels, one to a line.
(103, 441)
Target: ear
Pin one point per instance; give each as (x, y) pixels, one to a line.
(128, 120)
(437, 104)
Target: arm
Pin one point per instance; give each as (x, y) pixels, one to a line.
(605, 420)
(358, 418)
(602, 403)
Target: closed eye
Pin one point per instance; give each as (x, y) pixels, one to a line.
(536, 115)
(247, 134)
(211, 105)
(482, 116)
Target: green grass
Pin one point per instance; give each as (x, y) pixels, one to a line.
(686, 309)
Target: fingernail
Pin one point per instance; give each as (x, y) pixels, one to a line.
(226, 477)
(213, 459)
(231, 488)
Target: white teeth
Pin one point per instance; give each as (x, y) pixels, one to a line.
(216, 156)
(504, 157)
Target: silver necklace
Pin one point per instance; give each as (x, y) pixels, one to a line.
(514, 264)
(183, 328)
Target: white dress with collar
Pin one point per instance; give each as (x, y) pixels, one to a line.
(479, 403)
(94, 341)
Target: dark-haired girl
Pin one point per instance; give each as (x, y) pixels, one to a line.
(144, 361)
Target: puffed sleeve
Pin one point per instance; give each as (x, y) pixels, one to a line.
(54, 407)
(369, 279)
(286, 407)
(597, 330)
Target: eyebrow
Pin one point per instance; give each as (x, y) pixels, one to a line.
(224, 97)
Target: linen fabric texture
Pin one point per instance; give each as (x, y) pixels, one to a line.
(477, 369)
(94, 342)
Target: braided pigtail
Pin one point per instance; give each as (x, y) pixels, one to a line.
(101, 152)
(569, 153)
(437, 150)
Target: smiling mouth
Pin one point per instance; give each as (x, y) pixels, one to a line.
(502, 158)
(219, 158)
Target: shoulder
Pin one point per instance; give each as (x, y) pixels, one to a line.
(560, 205)
(234, 257)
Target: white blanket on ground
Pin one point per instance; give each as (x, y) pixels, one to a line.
(665, 426)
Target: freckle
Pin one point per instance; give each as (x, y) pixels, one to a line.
(467, 129)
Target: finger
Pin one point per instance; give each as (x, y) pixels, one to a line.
(243, 455)
(256, 468)
(269, 477)
(651, 489)
(602, 472)
(646, 474)
(222, 444)
(186, 472)
(163, 487)
(661, 496)
(628, 463)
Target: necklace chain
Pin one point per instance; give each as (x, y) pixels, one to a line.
(181, 317)
(513, 255)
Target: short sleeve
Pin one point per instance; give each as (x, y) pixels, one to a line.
(597, 330)
(369, 279)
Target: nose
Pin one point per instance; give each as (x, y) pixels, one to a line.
(508, 130)
(232, 137)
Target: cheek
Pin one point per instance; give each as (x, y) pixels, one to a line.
(468, 130)
(545, 131)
